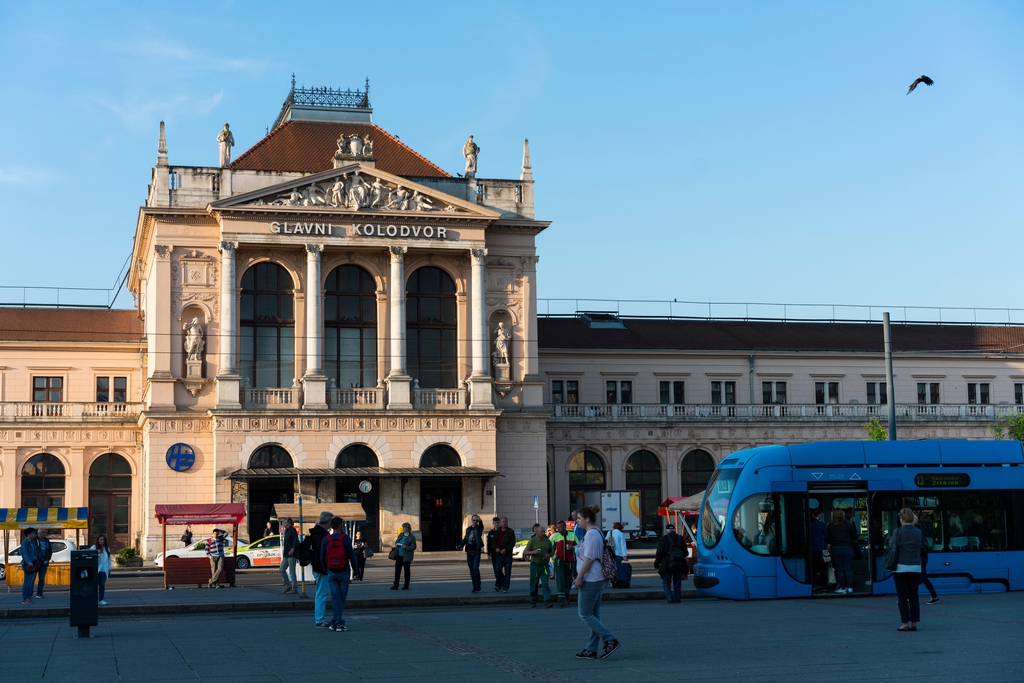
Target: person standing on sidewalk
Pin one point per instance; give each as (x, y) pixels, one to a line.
(336, 557)
(315, 539)
(473, 543)
(104, 564)
(289, 555)
(927, 538)
(406, 546)
(564, 562)
(29, 564)
(362, 548)
(907, 575)
(492, 549)
(214, 551)
(819, 546)
(539, 549)
(616, 541)
(504, 543)
(670, 561)
(45, 555)
(590, 582)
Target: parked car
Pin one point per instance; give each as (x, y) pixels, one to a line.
(265, 552)
(519, 549)
(61, 553)
(198, 549)
(643, 536)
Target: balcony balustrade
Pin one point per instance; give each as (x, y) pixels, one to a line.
(438, 399)
(356, 399)
(707, 412)
(69, 412)
(270, 398)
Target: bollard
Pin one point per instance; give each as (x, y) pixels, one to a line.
(84, 590)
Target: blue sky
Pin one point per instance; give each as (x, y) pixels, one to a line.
(766, 152)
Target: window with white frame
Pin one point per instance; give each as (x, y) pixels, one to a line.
(619, 391)
(978, 393)
(773, 392)
(826, 393)
(565, 391)
(723, 393)
(877, 394)
(928, 392)
(671, 392)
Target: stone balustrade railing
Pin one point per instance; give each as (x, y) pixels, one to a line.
(69, 412)
(438, 399)
(270, 398)
(600, 412)
(356, 399)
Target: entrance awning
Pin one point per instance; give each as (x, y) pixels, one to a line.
(339, 472)
(350, 512)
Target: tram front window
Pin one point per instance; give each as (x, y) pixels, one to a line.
(753, 524)
(716, 505)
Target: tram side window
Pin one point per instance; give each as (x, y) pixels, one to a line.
(754, 524)
(957, 521)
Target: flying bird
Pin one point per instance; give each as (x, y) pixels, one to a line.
(923, 79)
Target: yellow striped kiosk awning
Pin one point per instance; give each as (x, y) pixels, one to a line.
(49, 518)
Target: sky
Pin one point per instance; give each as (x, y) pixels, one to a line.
(764, 152)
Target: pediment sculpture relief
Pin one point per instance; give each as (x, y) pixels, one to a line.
(355, 192)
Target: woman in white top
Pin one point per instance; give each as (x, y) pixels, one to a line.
(103, 566)
(616, 541)
(590, 582)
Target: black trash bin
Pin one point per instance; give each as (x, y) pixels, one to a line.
(84, 590)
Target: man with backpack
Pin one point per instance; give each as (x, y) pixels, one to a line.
(670, 561)
(564, 561)
(336, 557)
(309, 554)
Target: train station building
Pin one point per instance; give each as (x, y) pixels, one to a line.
(331, 313)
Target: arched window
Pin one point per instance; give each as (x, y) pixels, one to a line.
(440, 455)
(270, 455)
(586, 479)
(431, 327)
(267, 326)
(350, 327)
(357, 455)
(695, 471)
(110, 491)
(643, 474)
(42, 482)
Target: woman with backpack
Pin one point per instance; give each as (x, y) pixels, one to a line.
(590, 582)
(670, 562)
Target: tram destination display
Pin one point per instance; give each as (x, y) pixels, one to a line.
(942, 481)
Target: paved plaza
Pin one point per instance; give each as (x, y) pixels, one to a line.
(963, 638)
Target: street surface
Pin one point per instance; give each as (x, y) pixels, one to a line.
(849, 639)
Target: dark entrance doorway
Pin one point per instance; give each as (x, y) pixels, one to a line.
(265, 493)
(110, 491)
(440, 513)
(349, 492)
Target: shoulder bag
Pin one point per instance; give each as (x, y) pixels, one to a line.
(891, 558)
(393, 555)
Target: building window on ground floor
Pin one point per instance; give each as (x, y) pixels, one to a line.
(826, 393)
(978, 393)
(440, 455)
(110, 490)
(357, 455)
(695, 472)
(671, 392)
(565, 391)
(877, 393)
(42, 482)
(773, 392)
(586, 479)
(619, 391)
(1018, 394)
(643, 474)
(270, 456)
(928, 392)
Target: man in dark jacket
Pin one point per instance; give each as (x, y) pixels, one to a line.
(289, 555)
(670, 561)
(45, 555)
(316, 537)
(819, 545)
(473, 542)
(492, 547)
(504, 543)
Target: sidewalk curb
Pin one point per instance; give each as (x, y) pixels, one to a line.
(307, 605)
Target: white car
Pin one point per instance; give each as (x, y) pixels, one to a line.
(265, 552)
(61, 553)
(197, 549)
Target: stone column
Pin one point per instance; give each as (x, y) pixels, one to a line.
(399, 394)
(479, 379)
(227, 373)
(158, 327)
(533, 386)
(314, 394)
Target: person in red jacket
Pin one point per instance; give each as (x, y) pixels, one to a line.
(564, 561)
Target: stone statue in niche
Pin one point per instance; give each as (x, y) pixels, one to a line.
(225, 141)
(501, 339)
(194, 343)
(470, 150)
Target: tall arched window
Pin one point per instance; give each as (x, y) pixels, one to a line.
(440, 455)
(695, 471)
(42, 482)
(267, 326)
(357, 455)
(110, 495)
(643, 474)
(431, 327)
(350, 327)
(270, 455)
(586, 479)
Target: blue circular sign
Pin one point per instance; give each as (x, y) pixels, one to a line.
(181, 457)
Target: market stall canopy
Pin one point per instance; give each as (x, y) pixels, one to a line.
(44, 518)
(201, 513)
(691, 504)
(337, 472)
(350, 512)
(663, 509)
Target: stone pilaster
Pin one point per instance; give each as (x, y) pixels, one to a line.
(227, 373)
(479, 380)
(314, 394)
(399, 388)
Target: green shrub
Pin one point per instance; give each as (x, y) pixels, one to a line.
(126, 556)
(877, 431)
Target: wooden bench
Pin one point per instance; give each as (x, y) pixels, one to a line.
(185, 571)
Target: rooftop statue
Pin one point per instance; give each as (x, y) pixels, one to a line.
(226, 141)
(470, 150)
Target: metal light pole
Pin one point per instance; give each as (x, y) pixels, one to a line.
(891, 389)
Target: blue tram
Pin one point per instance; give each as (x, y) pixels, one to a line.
(755, 519)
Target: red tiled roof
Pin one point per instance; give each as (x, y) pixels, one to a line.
(702, 335)
(309, 147)
(70, 324)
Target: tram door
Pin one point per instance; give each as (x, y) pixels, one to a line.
(851, 504)
(795, 570)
